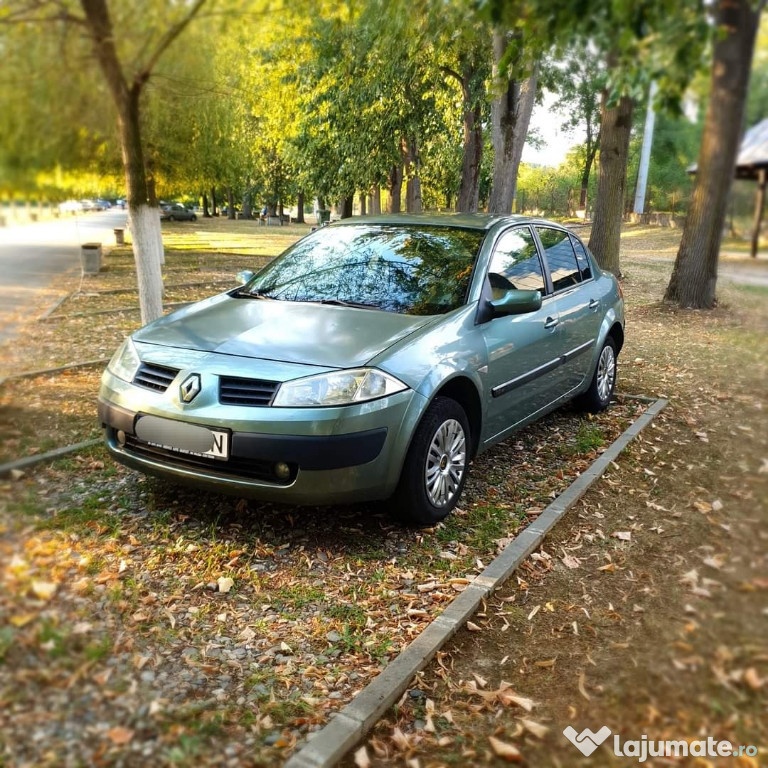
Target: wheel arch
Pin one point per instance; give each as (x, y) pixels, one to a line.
(616, 332)
(464, 391)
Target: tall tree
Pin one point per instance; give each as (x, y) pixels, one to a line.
(461, 43)
(125, 88)
(515, 81)
(579, 85)
(615, 127)
(694, 277)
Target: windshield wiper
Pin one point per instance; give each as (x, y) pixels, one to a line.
(254, 294)
(342, 303)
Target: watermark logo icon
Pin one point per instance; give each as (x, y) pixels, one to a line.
(587, 741)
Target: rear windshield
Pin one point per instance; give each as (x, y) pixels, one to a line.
(417, 270)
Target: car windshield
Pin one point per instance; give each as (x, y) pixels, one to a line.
(417, 270)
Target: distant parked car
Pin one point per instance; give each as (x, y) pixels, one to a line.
(176, 212)
(374, 358)
(103, 205)
(70, 206)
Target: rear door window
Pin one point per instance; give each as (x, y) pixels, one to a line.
(560, 257)
(585, 265)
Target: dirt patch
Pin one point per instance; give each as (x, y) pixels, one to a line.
(645, 610)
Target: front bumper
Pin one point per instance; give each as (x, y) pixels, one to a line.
(335, 455)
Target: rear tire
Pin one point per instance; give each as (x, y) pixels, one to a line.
(603, 383)
(171, 218)
(435, 468)
(194, 218)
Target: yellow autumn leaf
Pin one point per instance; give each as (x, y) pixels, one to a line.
(44, 590)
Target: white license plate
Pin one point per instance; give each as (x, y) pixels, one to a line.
(220, 447)
(180, 437)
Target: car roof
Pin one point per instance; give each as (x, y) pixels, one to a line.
(480, 221)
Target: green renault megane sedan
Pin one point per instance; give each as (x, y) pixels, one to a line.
(373, 359)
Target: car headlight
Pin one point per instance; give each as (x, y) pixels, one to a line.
(338, 388)
(125, 362)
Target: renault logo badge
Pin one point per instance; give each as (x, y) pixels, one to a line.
(190, 387)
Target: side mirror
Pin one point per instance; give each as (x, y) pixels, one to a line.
(245, 276)
(515, 302)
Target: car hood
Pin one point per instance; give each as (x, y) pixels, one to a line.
(314, 334)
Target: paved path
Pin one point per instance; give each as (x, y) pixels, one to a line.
(33, 256)
(740, 273)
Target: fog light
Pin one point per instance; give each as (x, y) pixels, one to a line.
(282, 470)
(120, 437)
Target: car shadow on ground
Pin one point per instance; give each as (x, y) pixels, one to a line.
(514, 476)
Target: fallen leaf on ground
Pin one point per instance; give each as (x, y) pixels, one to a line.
(361, 758)
(537, 729)
(120, 735)
(505, 751)
(401, 740)
(622, 535)
(753, 680)
(582, 686)
(44, 590)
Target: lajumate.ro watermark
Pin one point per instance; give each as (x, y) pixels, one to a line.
(588, 741)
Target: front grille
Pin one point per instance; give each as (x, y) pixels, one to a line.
(254, 392)
(155, 377)
(234, 466)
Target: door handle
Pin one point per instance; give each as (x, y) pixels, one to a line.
(594, 304)
(551, 322)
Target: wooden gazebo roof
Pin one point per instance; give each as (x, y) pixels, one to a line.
(753, 154)
(752, 165)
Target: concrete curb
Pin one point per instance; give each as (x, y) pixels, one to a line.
(49, 456)
(56, 304)
(57, 369)
(328, 745)
(173, 305)
(116, 291)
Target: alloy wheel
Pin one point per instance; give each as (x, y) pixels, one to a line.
(446, 462)
(606, 372)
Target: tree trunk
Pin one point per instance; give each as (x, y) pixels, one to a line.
(395, 188)
(144, 218)
(362, 203)
(585, 174)
(214, 212)
(468, 200)
(412, 172)
(694, 276)
(346, 206)
(230, 203)
(146, 233)
(759, 206)
(300, 207)
(376, 200)
(510, 116)
(247, 211)
(615, 127)
(206, 211)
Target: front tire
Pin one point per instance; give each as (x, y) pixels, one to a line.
(603, 383)
(436, 466)
(194, 218)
